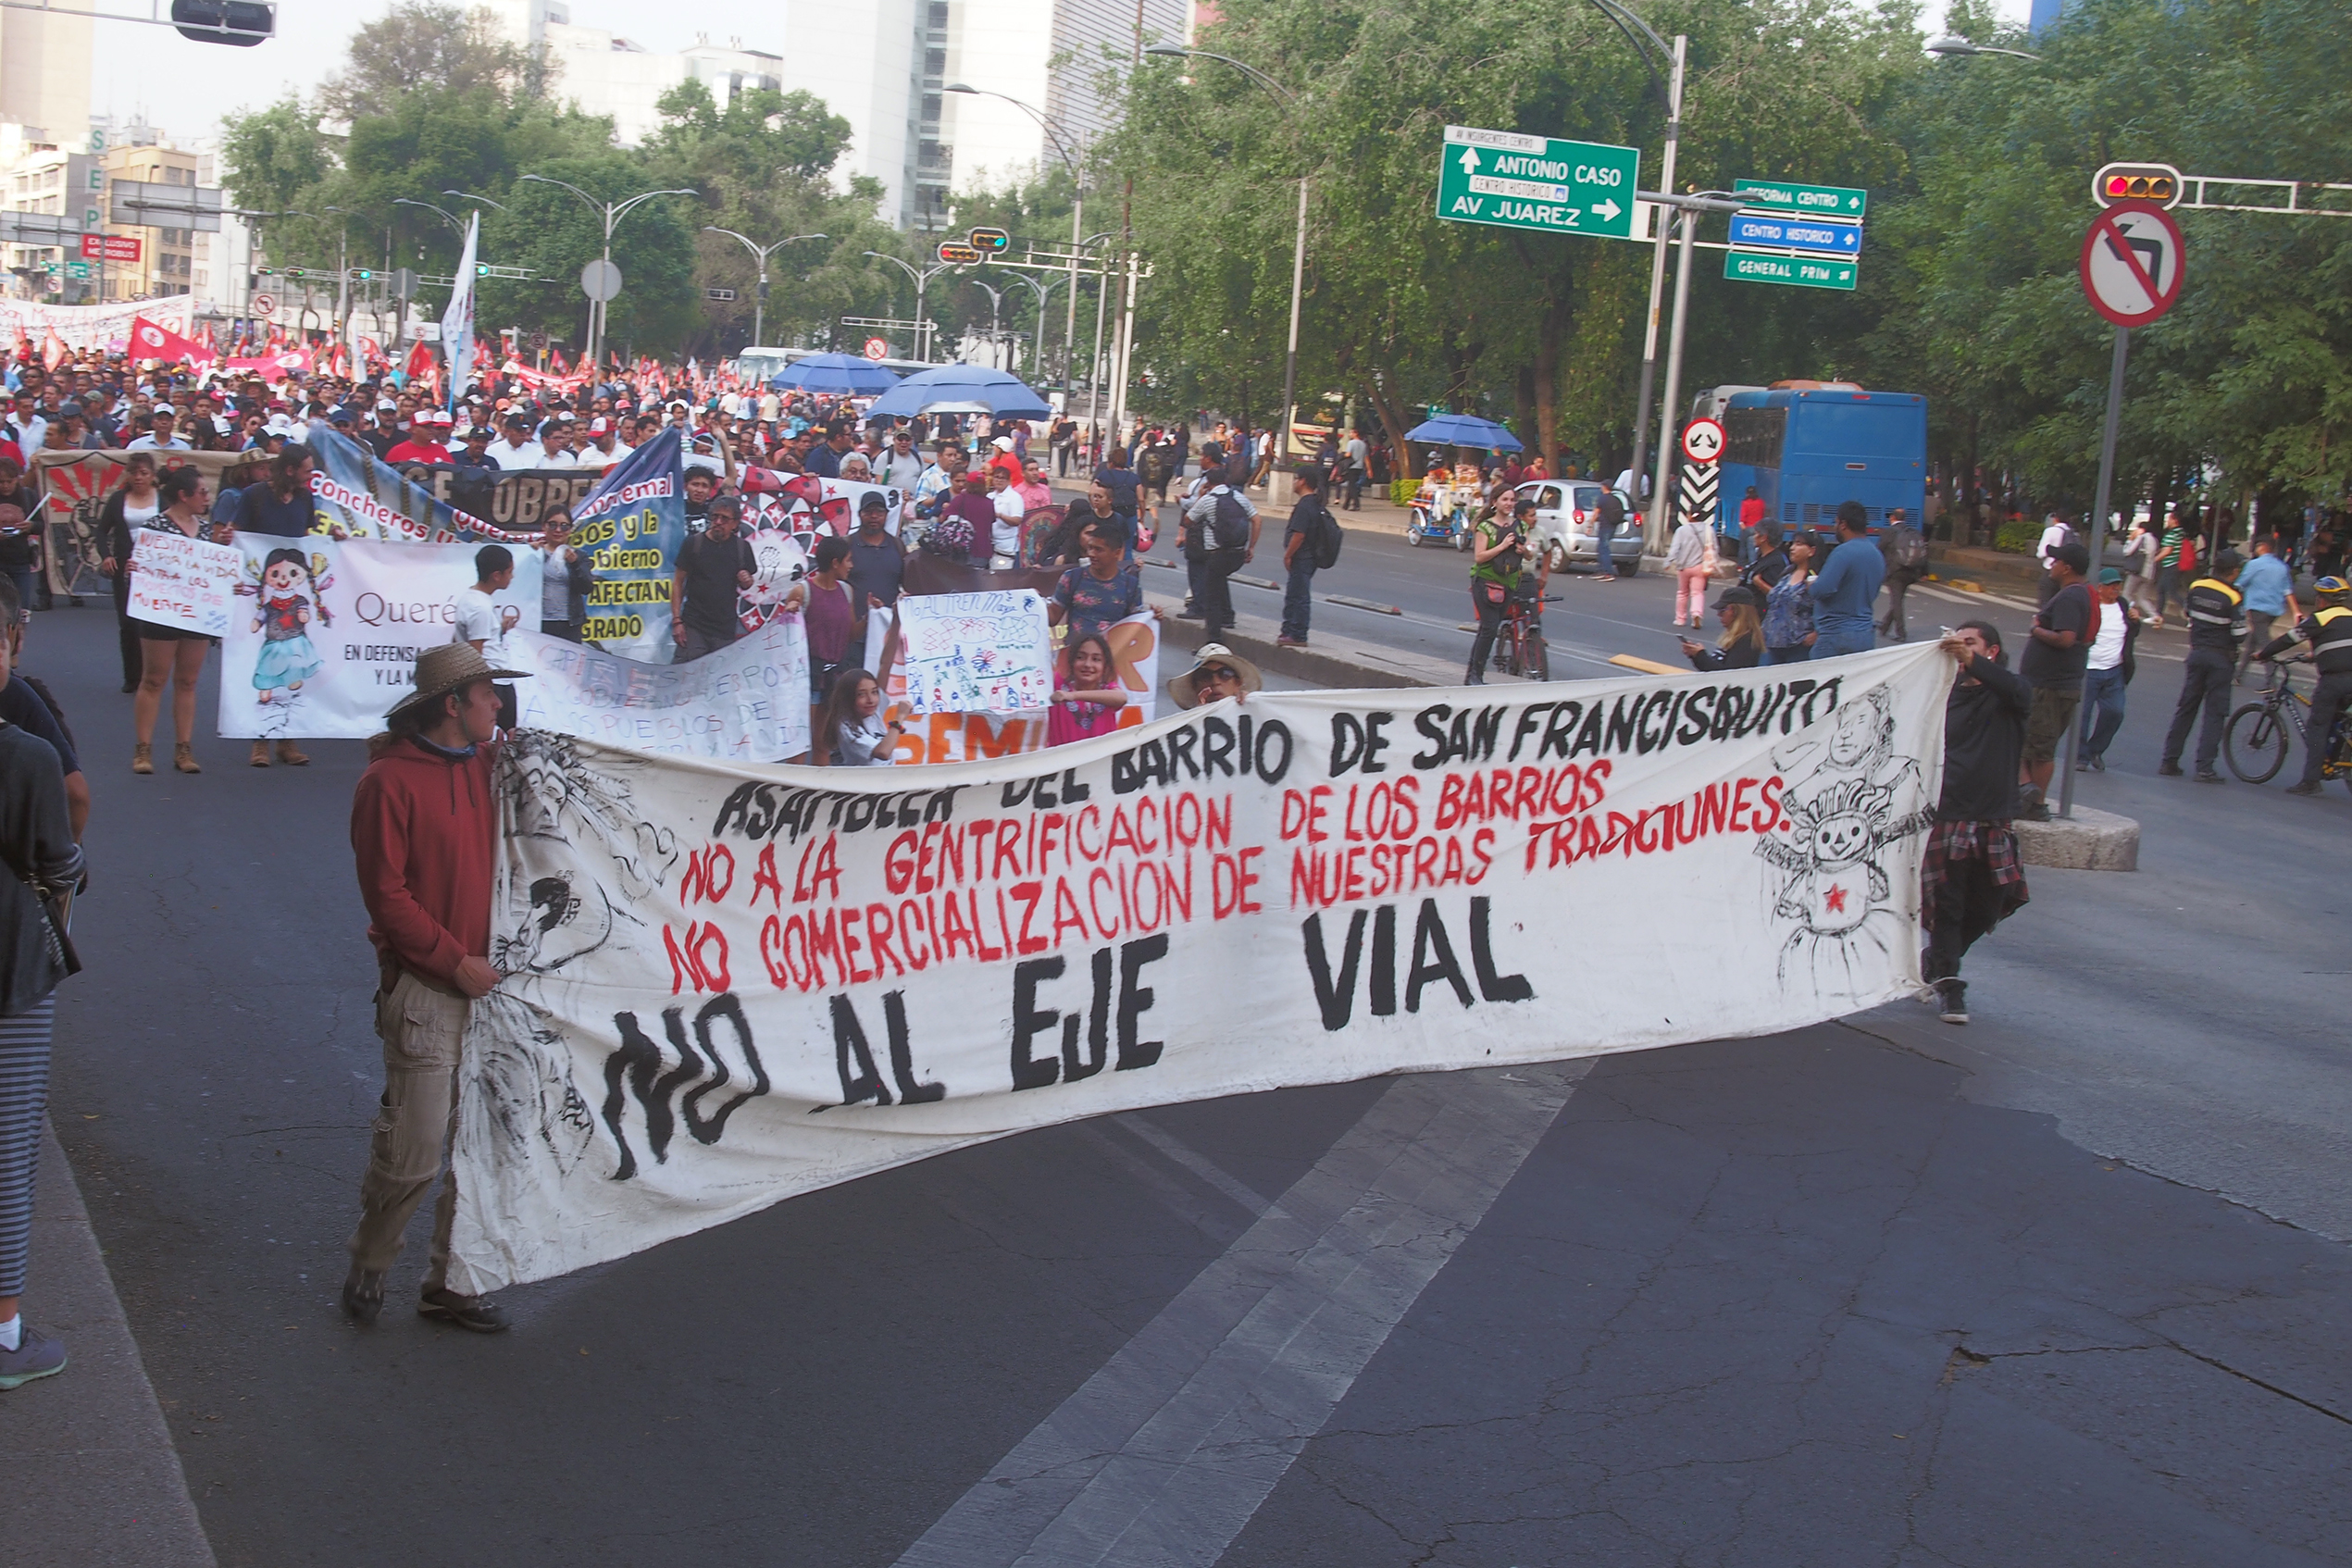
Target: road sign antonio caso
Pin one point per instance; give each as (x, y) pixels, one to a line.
(1516, 182)
(1815, 201)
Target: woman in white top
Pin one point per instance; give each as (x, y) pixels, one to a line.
(1687, 556)
(133, 506)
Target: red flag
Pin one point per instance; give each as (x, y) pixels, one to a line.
(150, 340)
(555, 359)
(338, 362)
(53, 351)
(421, 360)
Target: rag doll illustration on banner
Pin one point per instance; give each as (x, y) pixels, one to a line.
(292, 592)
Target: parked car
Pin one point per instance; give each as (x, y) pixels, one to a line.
(1568, 518)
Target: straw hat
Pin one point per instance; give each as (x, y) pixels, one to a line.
(1180, 686)
(446, 667)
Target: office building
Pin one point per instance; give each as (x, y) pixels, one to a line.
(608, 74)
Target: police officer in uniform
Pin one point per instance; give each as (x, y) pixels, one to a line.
(2217, 626)
(2329, 631)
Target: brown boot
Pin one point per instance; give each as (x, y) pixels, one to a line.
(261, 753)
(183, 757)
(142, 758)
(292, 755)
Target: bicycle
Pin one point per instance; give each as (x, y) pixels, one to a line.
(1519, 644)
(2255, 741)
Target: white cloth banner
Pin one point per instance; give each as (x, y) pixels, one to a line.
(184, 582)
(93, 326)
(725, 986)
(332, 637)
(747, 702)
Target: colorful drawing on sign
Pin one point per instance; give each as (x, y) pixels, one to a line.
(291, 591)
(977, 652)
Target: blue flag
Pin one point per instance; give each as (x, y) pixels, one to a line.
(633, 524)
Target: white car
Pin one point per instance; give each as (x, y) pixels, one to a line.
(1568, 518)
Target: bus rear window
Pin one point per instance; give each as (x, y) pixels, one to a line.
(1753, 436)
(1857, 429)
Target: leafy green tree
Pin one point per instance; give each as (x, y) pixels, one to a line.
(421, 45)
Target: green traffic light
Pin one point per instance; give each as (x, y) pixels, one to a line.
(481, 269)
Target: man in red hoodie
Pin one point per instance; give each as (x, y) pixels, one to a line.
(423, 830)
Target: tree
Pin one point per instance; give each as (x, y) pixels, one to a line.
(274, 155)
(424, 45)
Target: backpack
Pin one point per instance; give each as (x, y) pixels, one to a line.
(1327, 539)
(1229, 523)
(1910, 546)
(951, 537)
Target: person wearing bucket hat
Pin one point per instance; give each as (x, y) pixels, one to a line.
(1217, 673)
(1742, 646)
(424, 835)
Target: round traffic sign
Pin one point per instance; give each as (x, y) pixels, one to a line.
(265, 305)
(1702, 441)
(876, 348)
(600, 280)
(538, 342)
(2132, 263)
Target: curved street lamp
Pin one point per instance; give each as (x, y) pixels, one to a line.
(1077, 223)
(759, 308)
(612, 212)
(1952, 45)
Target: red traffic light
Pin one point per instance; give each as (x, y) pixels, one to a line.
(2155, 182)
(956, 254)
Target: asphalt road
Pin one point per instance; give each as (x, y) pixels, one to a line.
(2069, 1285)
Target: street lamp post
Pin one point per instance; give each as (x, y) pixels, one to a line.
(759, 308)
(1289, 101)
(1654, 537)
(613, 213)
(342, 275)
(1950, 45)
(995, 318)
(922, 277)
(1077, 227)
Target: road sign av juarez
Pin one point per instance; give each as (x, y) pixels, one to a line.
(1553, 187)
(1703, 440)
(1775, 232)
(1814, 201)
(1747, 266)
(2132, 263)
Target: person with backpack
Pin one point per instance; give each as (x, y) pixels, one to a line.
(1224, 533)
(1310, 543)
(1906, 551)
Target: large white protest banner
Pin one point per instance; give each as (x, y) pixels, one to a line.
(326, 635)
(725, 985)
(747, 702)
(184, 582)
(93, 326)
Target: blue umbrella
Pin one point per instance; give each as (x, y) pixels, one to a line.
(963, 389)
(1464, 429)
(834, 373)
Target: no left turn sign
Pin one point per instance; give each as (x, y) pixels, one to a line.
(1702, 441)
(876, 348)
(2132, 263)
(265, 305)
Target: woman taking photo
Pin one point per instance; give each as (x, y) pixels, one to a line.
(166, 654)
(132, 506)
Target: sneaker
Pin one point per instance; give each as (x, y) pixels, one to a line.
(2168, 770)
(2207, 775)
(2303, 787)
(2099, 761)
(33, 1357)
(1289, 642)
(1952, 1001)
(2035, 811)
(362, 1295)
(1190, 616)
(478, 1312)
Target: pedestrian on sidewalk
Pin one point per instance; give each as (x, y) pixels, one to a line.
(1751, 526)
(2056, 534)
(2217, 626)
(2171, 548)
(1225, 525)
(1608, 518)
(2139, 571)
(1687, 558)
(2329, 631)
(2052, 666)
(2107, 671)
(1304, 543)
(2268, 588)
(1906, 551)
(1189, 542)
(424, 833)
(1970, 877)
(37, 841)
(1847, 587)
(1357, 456)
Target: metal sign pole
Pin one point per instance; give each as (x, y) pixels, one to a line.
(2099, 502)
(1662, 217)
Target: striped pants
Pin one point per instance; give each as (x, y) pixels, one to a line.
(24, 1100)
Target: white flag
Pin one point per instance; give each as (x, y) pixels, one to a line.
(457, 322)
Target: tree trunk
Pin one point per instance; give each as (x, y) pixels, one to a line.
(1392, 421)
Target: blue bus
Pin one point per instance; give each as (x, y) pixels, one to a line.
(1806, 449)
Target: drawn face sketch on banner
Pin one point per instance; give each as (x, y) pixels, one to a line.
(1859, 797)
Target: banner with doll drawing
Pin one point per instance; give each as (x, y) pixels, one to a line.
(323, 633)
(724, 985)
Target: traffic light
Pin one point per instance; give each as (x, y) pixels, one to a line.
(956, 254)
(265, 272)
(364, 274)
(990, 242)
(481, 269)
(241, 24)
(2158, 183)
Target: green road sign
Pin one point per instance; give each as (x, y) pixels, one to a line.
(1818, 201)
(76, 270)
(1514, 182)
(1803, 271)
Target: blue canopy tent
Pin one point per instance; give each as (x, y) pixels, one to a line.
(963, 389)
(1465, 430)
(836, 373)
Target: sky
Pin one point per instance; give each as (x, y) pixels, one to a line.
(150, 71)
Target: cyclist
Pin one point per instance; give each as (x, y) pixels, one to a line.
(1498, 575)
(2329, 631)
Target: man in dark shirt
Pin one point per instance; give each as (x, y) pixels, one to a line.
(474, 453)
(2217, 625)
(714, 566)
(2052, 666)
(1300, 541)
(824, 458)
(1119, 480)
(1970, 877)
(2328, 629)
(877, 564)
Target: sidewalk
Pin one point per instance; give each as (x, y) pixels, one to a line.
(94, 1479)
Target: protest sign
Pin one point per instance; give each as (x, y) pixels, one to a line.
(725, 986)
(976, 652)
(93, 326)
(325, 633)
(184, 583)
(74, 490)
(633, 523)
(747, 702)
(956, 736)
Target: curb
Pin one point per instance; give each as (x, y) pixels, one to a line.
(2089, 840)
